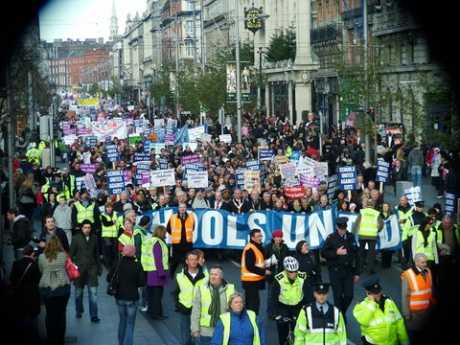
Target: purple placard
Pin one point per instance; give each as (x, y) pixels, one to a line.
(88, 168)
(191, 159)
(312, 182)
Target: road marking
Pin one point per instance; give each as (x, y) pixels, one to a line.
(235, 263)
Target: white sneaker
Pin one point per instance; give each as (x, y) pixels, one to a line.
(144, 309)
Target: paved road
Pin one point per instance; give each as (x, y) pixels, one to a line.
(148, 332)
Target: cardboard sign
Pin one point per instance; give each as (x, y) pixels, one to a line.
(115, 181)
(170, 136)
(141, 157)
(190, 159)
(195, 133)
(288, 173)
(225, 138)
(240, 177)
(162, 178)
(265, 154)
(164, 164)
(347, 177)
(197, 179)
(383, 171)
(91, 141)
(88, 168)
(112, 153)
(253, 165)
(87, 157)
(321, 170)
(309, 181)
(80, 183)
(413, 194)
(294, 192)
(332, 183)
(251, 180)
(90, 184)
(449, 203)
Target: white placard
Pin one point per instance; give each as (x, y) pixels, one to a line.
(69, 139)
(87, 157)
(413, 194)
(195, 133)
(225, 138)
(251, 180)
(158, 123)
(162, 178)
(197, 179)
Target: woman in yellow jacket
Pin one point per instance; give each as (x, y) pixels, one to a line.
(378, 316)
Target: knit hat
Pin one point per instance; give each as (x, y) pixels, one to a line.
(129, 250)
(277, 233)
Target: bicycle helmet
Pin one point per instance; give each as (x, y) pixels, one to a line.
(290, 264)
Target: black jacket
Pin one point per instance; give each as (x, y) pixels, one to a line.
(84, 254)
(22, 232)
(309, 265)
(269, 250)
(350, 261)
(130, 278)
(250, 259)
(230, 206)
(26, 292)
(60, 234)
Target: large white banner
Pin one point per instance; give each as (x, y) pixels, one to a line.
(110, 128)
(195, 133)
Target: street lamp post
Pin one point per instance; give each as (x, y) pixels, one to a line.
(238, 86)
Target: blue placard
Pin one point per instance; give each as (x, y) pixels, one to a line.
(449, 204)
(91, 141)
(141, 156)
(347, 178)
(115, 181)
(253, 165)
(112, 153)
(265, 154)
(164, 164)
(383, 171)
(240, 177)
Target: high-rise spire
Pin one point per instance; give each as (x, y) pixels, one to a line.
(113, 24)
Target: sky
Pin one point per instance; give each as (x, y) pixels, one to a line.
(84, 18)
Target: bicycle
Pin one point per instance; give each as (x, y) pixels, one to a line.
(291, 324)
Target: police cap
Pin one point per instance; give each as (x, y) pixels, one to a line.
(341, 222)
(322, 288)
(372, 284)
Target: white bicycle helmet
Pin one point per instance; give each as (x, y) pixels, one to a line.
(290, 264)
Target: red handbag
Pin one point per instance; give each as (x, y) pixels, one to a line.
(72, 270)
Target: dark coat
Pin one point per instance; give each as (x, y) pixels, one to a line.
(60, 234)
(130, 277)
(85, 255)
(26, 292)
(22, 232)
(280, 255)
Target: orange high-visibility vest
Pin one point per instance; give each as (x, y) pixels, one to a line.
(176, 228)
(420, 290)
(247, 276)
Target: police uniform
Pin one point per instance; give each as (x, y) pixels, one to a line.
(289, 296)
(380, 321)
(342, 268)
(320, 323)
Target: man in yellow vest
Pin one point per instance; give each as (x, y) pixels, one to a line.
(210, 301)
(368, 224)
(378, 316)
(181, 227)
(187, 282)
(253, 270)
(109, 233)
(320, 322)
(289, 290)
(406, 223)
(34, 155)
(417, 298)
(84, 209)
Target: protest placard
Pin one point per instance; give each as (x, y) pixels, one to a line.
(158, 123)
(332, 182)
(265, 154)
(80, 183)
(170, 136)
(112, 153)
(164, 164)
(86, 157)
(171, 123)
(91, 141)
(225, 138)
(157, 147)
(69, 139)
(253, 165)
(115, 181)
(309, 181)
(141, 157)
(413, 194)
(195, 133)
(294, 192)
(190, 159)
(383, 171)
(347, 178)
(449, 203)
(162, 178)
(240, 176)
(321, 170)
(90, 184)
(288, 173)
(251, 180)
(197, 179)
(88, 168)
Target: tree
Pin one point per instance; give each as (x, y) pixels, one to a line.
(282, 46)
(94, 89)
(161, 88)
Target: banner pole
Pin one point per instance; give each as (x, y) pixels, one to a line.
(381, 187)
(349, 196)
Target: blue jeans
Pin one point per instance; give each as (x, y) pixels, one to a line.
(127, 311)
(185, 332)
(92, 300)
(204, 341)
(416, 174)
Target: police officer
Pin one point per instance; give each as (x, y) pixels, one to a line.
(289, 290)
(341, 253)
(84, 209)
(109, 233)
(407, 224)
(320, 322)
(379, 318)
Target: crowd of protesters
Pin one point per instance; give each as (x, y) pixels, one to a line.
(50, 195)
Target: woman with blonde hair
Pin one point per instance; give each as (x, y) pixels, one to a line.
(54, 289)
(238, 325)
